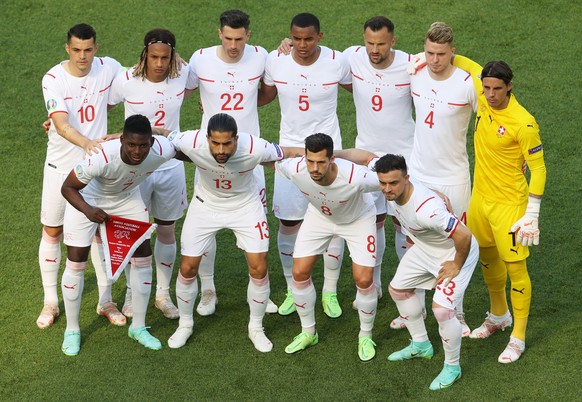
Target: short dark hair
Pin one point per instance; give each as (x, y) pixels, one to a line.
(137, 124)
(390, 162)
(319, 142)
(377, 23)
(305, 20)
(83, 32)
(498, 69)
(235, 19)
(222, 122)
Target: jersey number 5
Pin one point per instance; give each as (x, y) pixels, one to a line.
(229, 100)
(303, 103)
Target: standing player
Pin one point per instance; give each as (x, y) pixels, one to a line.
(155, 88)
(444, 99)
(225, 197)
(228, 76)
(75, 94)
(306, 82)
(504, 210)
(338, 206)
(444, 255)
(381, 89)
(109, 182)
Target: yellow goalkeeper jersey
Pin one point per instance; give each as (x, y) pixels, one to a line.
(504, 141)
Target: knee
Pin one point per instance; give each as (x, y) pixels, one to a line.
(443, 314)
(399, 294)
(167, 233)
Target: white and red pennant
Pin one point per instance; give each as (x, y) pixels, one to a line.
(121, 237)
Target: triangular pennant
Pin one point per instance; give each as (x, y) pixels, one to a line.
(121, 237)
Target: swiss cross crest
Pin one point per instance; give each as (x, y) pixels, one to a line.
(501, 131)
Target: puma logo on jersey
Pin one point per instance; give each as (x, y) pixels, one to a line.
(434, 92)
(518, 291)
(379, 75)
(324, 194)
(432, 216)
(230, 73)
(83, 87)
(160, 92)
(303, 76)
(513, 250)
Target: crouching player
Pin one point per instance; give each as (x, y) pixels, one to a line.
(443, 256)
(102, 184)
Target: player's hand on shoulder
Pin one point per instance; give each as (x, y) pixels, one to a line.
(449, 269)
(93, 146)
(285, 46)
(417, 62)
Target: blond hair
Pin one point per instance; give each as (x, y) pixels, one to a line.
(439, 32)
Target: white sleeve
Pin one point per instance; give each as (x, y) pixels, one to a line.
(193, 81)
(346, 75)
(116, 95)
(268, 78)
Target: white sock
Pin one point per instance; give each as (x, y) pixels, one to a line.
(103, 284)
(49, 259)
(367, 302)
(127, 272)
(286, 244)
(421, 295)
(206, 269)
(165, 255)
(141, 287)
(186, 293)
(380, 249)
(304, 297)
(332, 263)
(72, 288)
(410, 309)
(258, 292)
(450, 331)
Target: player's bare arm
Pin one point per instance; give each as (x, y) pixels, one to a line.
(358, 156)
(69, 133)
(70, 190)
(462, 240)
(266, 94)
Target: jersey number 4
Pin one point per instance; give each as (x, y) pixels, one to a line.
(430, 119)
(232, 102)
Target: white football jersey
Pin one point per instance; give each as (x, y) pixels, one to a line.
(383, 103)
(84, 99)
(443, 112)
(230, 88)
(307, 95)
(343, 201)
(228, 186)
(107, 176)
(427, 222)
(160, 102)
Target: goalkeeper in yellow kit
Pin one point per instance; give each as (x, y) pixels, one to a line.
(503, 213)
